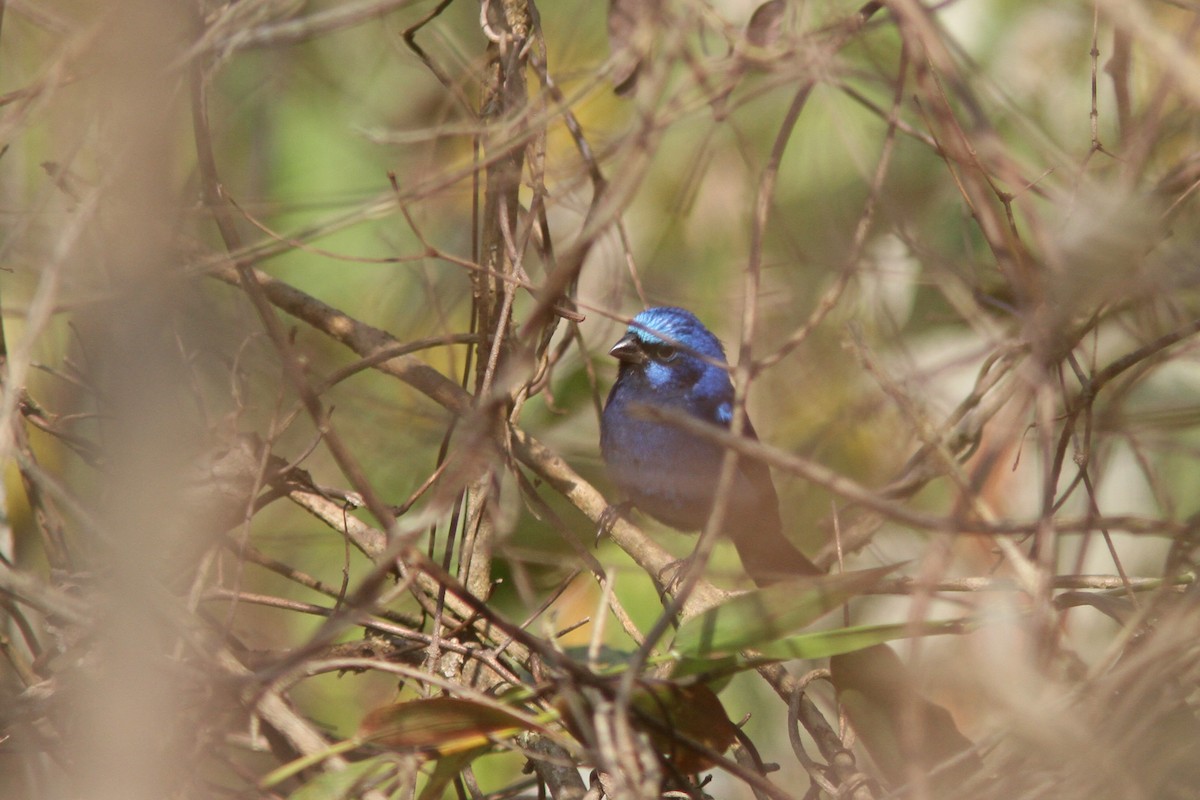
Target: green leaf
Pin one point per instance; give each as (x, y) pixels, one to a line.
(348, 782)
(818, 644)
(758, 618)
(440, 726)
(445, 770)
(822, 644)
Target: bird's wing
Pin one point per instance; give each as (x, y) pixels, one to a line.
(756, 527)
(754, 471)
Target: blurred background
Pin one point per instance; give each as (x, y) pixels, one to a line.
(968, 232)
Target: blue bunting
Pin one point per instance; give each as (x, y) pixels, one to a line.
(670, 360)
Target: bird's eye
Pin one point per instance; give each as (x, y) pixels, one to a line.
(665, 352)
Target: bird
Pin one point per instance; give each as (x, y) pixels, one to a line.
(668, 359)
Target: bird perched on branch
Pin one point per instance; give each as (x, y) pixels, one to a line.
(669, 360)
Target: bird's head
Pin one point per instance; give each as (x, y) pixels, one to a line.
(669, 346)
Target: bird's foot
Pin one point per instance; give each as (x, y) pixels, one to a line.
(608, 518)
(672, 576)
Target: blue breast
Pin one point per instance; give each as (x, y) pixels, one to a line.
(667, 473)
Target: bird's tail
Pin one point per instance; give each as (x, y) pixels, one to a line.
(768, 557)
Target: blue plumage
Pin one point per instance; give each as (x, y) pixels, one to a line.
(668, 358)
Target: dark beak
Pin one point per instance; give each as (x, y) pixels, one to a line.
(628, 350)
